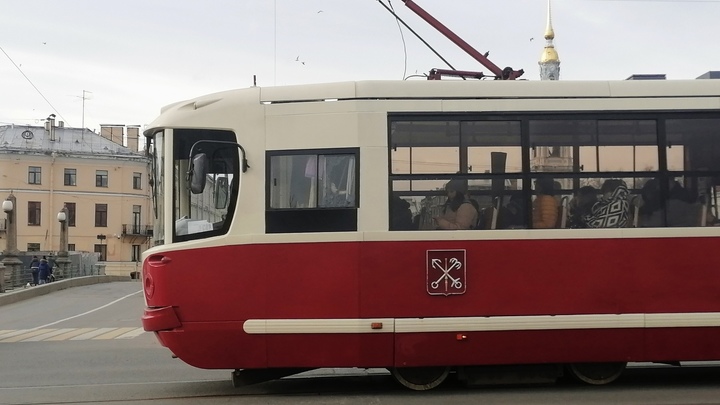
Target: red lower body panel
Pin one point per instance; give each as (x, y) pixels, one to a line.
(395, 280)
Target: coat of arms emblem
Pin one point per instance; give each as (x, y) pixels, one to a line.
(445, 272)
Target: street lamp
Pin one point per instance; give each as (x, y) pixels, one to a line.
(7, 206)
(62, 256)
(10, 254)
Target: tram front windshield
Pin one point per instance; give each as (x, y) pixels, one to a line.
(205, 209)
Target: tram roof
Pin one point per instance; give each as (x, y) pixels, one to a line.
(440, 90)
(484, 89)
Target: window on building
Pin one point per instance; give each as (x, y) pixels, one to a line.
(135, 253)
(101, 178)
(70, 177)
(33, 247)
(137, 181)
(34, 175)
(71, 247)
(34, 212)
(71, 213)
(136, 219)
(101, 214)
(102, 249)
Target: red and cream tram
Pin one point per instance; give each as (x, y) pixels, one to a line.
(294, 228)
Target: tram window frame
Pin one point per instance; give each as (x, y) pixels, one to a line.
(427, 138)
(224, 162)
(487, 152)
(684, 133)
(316, 216)
(648, 141)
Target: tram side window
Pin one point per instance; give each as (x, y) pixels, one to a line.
(485, 156)
(312, 191)
(425, 147)
(627, 146)
(675, 203)
(693, 144)
(415, 203)
(593, 145)
(686, 194)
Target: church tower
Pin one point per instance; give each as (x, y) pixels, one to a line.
(549, 60)
(552, 158)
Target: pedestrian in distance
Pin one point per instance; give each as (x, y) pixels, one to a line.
(43, 271)
(34, 269)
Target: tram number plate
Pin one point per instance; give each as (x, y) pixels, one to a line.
(445, 272)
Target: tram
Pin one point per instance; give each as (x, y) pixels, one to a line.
(297, 228)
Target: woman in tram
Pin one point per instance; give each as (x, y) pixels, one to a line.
(459, 212)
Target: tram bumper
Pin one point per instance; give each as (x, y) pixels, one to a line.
(159, 319)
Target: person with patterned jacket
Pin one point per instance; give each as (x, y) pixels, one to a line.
(613, 207)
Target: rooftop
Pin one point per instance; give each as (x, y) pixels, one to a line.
(28, 138)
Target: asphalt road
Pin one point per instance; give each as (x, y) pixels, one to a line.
(85, 345)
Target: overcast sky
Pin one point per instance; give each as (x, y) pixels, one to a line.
(135, 56)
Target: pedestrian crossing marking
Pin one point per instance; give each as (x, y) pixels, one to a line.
(48, 335)
(91, 334)
(51, 335)
(11, 333)
(22, 336)
(71, 334)
(132, 334)
(113, 334)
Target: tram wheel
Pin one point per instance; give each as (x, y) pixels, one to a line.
(420, 378)
(596, 373)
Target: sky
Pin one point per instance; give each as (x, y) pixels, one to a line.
(94, 62)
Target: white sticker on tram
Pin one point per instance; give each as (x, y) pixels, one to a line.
(482, 324)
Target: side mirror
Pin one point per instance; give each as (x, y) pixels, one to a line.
(221, 192)
(198, 173)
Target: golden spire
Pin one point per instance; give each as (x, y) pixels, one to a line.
(549, 53)
(549, 33)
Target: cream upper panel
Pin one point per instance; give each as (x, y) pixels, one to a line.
(231, 109)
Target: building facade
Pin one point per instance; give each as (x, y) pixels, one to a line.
(102, 180)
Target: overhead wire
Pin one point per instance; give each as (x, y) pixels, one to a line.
(416, 34)
(55, 110)
(402, 37)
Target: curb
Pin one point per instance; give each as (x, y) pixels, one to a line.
(20, 294)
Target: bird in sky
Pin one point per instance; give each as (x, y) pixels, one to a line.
(531, 39)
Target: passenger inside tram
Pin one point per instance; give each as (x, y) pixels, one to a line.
(512, 215)
(545, 205)
(458, 211)
(581, 207)
(682, 207)
(401, 216)
(613, 208)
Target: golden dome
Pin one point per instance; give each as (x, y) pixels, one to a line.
(549, 54)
